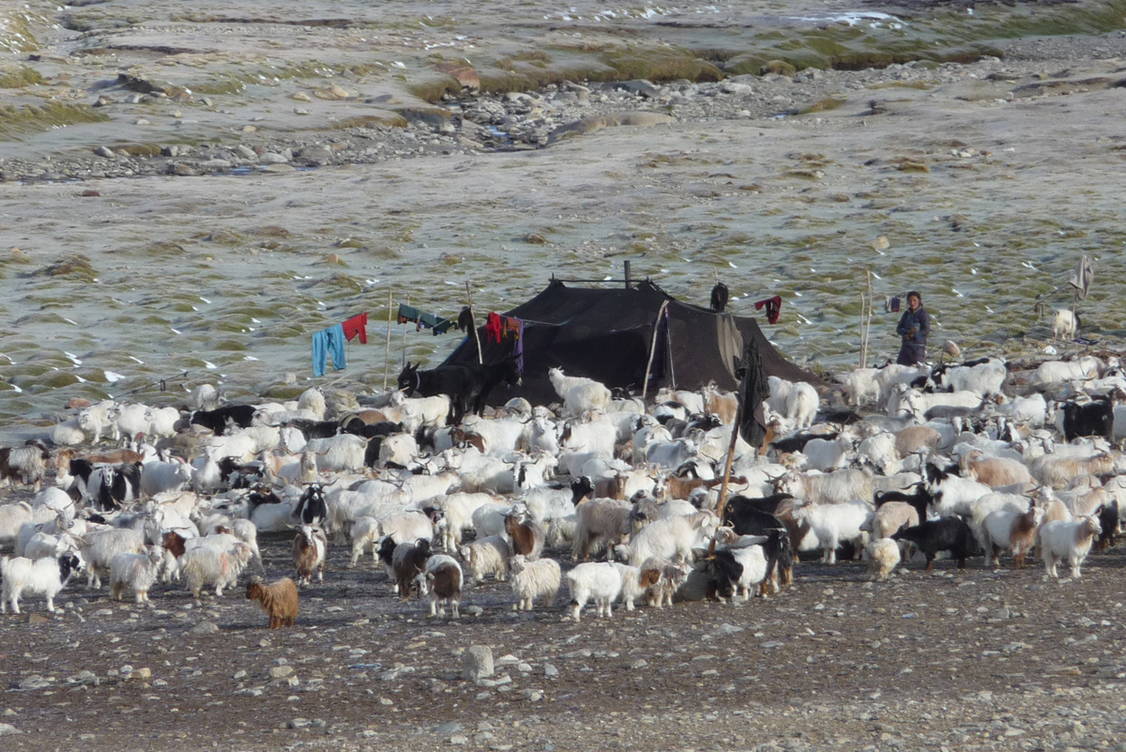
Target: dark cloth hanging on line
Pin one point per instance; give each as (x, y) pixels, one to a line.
(438, 324)
(891, 305)
(465, 319)
(356, 326)
(773, 308)
(752, 424)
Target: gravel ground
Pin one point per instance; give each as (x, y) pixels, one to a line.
(973, 660)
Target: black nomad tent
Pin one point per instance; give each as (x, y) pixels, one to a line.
(608, 335)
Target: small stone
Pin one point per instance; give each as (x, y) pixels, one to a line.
(272, 157)
(447, 729)
(37, 619)
(239, 675)
(104, 151)
(205, 627)
(477, 663)
(143, 674)
(246, 152)
(181, 168)
(7, 728)
(459, 739)
(281, 672)
(550, 671)
(250, 129)
(301, 96)
(141, 121)
(639, 664)
(297, 723)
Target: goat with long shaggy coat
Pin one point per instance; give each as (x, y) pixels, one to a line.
(46, 577)
(310, 549)
(278, 599)
(996, 472)
(534, 579)
(1067, 542)
(441, 580)
(213, 565)
(672, 538)
(883, 555)
(599, 521)
(578, 393)
(136, 572)
(527, 536)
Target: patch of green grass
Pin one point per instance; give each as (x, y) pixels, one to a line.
(19, 77)
(16, 119)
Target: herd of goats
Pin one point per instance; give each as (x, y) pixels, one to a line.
(956, 461)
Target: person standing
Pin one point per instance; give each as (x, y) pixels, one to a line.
(914, 326)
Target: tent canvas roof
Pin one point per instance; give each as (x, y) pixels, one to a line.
(607, 334)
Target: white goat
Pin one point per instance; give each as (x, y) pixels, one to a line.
(883, 555)
(99, 548)
(136, 572)
(598, 581)
(486, 556)
(1069, 542)
(534, 579)
(671, 538)
(211, 565)
(834, 524)
(46, 577)
(599, 521)
(579, 394)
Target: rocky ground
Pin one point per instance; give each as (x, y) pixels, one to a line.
(980, 659)
(522, 120)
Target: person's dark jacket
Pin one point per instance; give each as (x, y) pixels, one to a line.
(916, 320)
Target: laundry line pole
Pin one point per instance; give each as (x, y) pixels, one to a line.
(387, 347)
(476, 336)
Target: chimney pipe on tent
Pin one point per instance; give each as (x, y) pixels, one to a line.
(625, 263)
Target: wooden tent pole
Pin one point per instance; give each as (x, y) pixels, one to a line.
(403, 349)
(387, 347)
(476, 336)
(730, 461)
(652, 349)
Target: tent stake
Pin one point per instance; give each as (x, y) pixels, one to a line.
(387, 347)
(476, 336)
(403, 353)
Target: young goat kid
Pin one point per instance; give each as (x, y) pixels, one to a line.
(310, 549)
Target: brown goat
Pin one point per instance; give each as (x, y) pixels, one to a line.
(278, 599)
(526, 535)
(310, 549)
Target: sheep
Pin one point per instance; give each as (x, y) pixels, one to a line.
(670, 538)
(883, 555)
(487, 556)
(534, 579)
(944, 534)
(27, 463)
(834, 524)
(136, 572)
(1065, 325)
(1067, 541)
(278, 599)
(441, 580)
(599, 521)
(310, 549)
(1010, 529)
(526, 535)
(600, 581)
(213, 565)
(46, 576)
(204, 397)
(408, 560)
(99, 547)
(579, 394)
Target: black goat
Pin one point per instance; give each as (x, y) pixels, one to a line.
(1096, 418)
(946, 534)
(221, 418)
(920, 500)
(311, 508)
